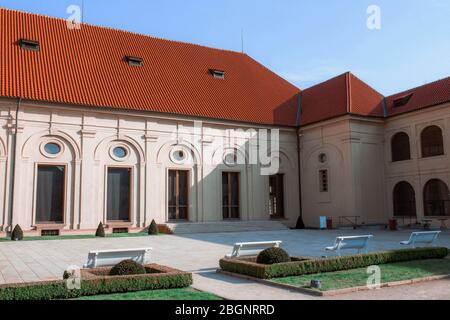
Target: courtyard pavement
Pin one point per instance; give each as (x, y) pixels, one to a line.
(199, 253)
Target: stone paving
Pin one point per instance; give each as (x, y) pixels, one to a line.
(199, 253)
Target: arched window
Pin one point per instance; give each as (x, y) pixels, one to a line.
(404, 200)
(400, 147)
(432, 142)
(436, 198)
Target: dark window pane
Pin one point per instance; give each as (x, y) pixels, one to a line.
(432, 142)
(230, 195)
(118, 198)
(172, 213)
(436, 198)
(178, 195)
(404, 200)
(50, 194)
(183, 213)
(401, 150)
(172, 188)
(183, 185)
(276, 196)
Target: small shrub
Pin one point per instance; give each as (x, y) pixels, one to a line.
(17, 233)
(100, 231)
(153, 228)
(127, 268)
(273, 256)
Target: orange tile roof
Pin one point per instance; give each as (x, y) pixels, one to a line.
(428, 95)
(344, 94)
(87, 67)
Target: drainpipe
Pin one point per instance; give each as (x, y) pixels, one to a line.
(300, 223)
(13, 164)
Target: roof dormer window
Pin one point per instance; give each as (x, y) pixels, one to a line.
(217, 74)
(399, 102)
(134, 61)
(29, 45)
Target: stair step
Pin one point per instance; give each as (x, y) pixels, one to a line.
(219, 227)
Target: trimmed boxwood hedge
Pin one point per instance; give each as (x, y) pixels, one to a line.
(302, 267)
(96, 285)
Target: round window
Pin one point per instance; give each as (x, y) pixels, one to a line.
(323, 158)
(52, 148)
(231, 159)
(178, 156)
(120, 152)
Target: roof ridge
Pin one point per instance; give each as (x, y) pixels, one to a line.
(125, 31)
(349, 91)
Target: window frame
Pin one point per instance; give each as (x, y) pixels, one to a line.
(229, 206)
(130, 195)
(440, 147)
(43, 224)
(396, 156)
(177, 205)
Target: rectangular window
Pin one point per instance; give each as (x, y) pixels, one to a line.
(50, 194)
(119, 194)
(323, 175)
(178, 195)
(230, 195)
(276, 190)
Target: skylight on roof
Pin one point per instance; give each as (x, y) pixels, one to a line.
(134, 61)
(218, 74)
(402, 101)
(29, 44)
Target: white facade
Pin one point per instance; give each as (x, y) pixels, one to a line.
(87, 137)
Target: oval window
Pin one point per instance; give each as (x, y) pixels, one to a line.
(52, 148)
(120, 152)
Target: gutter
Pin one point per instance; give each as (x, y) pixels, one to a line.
(13, 164)
(300, 224)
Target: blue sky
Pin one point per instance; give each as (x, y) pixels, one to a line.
(304, 41)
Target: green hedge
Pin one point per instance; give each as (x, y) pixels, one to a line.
(90, 287)
(313, 266)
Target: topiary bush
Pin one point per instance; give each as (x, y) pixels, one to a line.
(17, 234)
(127, 268)
(100, 231)
(153, 228)
(273, 256)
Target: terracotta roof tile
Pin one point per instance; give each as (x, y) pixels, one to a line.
(344, 94)
(87, 67)
(421, 97)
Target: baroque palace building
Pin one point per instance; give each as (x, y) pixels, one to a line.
(101, 125)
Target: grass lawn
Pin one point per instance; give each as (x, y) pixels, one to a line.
(115, 235)
(358, 277)
(170, 294)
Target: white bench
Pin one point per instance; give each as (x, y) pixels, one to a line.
(106, 258)
(355, 242)
(252, 248)
(428, 237)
